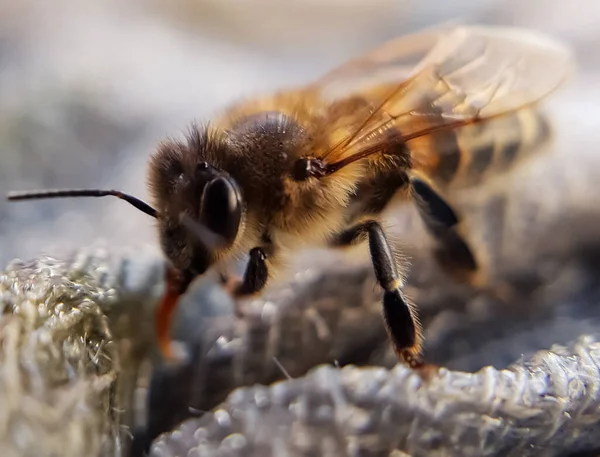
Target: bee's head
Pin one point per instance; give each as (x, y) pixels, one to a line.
(200, 207)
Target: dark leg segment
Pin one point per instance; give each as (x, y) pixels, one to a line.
(454, 255)
(452, 251)
(401, 320)
(432, 204)
(255, 277)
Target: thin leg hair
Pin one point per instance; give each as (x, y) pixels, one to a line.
(400, 317)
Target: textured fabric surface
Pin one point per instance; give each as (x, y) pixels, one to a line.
(547, 405)
(70, 345)
(84, 103)
(75, 332)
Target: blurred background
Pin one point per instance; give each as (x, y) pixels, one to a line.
(87, 88)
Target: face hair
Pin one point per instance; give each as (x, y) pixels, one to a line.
(32, 195)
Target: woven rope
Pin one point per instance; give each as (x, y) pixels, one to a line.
(547, 405)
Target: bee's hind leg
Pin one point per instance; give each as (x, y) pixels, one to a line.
(452, 252)
(400, 317)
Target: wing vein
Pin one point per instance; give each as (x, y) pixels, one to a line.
(465, 75)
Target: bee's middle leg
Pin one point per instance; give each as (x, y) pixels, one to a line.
(399, 315)
(451, 252)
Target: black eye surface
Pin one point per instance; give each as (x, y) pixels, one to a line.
(221, 209)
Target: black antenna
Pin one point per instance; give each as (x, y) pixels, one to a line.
(32, 195)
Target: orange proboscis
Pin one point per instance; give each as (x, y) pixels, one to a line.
(164, 314)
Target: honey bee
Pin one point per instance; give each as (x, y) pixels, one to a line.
(318, 164)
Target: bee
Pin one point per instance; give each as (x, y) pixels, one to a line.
(317, 165)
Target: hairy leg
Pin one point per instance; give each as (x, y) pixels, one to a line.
(451, 251)
(400, 317)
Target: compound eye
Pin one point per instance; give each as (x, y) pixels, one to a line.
(221, 209)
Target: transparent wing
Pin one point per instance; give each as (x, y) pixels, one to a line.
(439, 79)
(392, 62)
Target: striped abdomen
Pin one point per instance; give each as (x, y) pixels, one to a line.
(467, 155)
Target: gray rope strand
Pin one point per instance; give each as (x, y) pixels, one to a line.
(546, 406)
(72, 335)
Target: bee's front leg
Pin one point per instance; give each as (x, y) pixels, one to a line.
(255, 276)
(400, 317)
